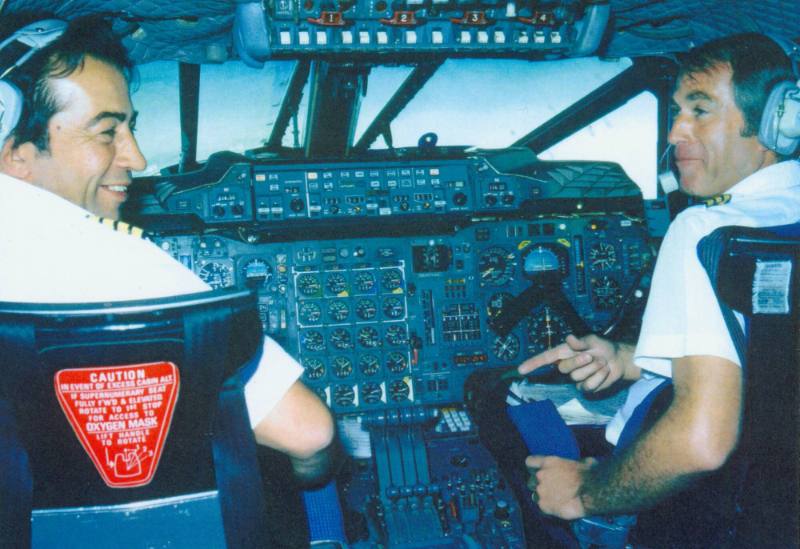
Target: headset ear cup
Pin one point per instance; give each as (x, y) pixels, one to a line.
(10, 108)
(780, 124)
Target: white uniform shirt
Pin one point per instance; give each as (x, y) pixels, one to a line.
(52, 251)
(683, 317)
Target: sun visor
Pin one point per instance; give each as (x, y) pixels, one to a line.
(250, 33)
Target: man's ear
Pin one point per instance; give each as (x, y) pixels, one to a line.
(17, 161)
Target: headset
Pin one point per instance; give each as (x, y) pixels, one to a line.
(779, 130)
(14, 51)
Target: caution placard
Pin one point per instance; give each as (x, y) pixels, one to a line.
(121, 415)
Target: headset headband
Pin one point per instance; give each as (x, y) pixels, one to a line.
(33, 38)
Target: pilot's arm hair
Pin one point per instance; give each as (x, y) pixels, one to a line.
(695, 435)
(301, 426)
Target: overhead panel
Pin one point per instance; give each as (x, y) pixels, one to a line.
(291, 28)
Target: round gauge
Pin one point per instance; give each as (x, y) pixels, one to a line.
(340, 339)
(315, 368)
(399, 390)
(391, 280)
(393, 307)
(366, 309)
(309, 312)
(371, 393)
(496, 266)
(313, 341)
(396, 362)
(369, 365)
(506, 348)
(545, 258)
(396, 335)
(368, 337)
(606, 293)
(497, 304)
(336, 284)
(308, 285)
(546, 330)
(343, 395)
(338, 310)
(364, 281)
(257, 273)
(217, 275)
(342, 366)
(602, 255)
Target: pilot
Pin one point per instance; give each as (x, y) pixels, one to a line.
(64, 169)
(722, 88)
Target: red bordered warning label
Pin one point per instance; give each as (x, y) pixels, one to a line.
(121, 415)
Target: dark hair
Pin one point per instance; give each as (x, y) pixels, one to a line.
(757, 64)
(83, 36)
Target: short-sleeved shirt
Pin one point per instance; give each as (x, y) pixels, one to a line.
(52, 251)
(682, 316)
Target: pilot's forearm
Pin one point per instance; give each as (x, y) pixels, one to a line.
(695, 435)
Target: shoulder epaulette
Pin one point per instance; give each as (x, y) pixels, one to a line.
(717, 200)
(119, 226)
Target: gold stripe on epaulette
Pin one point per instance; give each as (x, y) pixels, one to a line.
(717, 200)
(119, 226)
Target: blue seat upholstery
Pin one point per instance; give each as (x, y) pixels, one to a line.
(60, 488)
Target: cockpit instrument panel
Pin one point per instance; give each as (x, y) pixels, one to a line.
(392, 321)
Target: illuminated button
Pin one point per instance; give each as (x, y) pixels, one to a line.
(347, 37)
(383, 37)
(511, 10)
(437, 37)
(363, 37)
(538, 37)
(483, 37)
(555, 37)
(303, 38)
(411, 37)
(312, 176)
(466, 38)
(322, 38)
(434, 171)
(285, 38)
(523, 38)
(499, 37)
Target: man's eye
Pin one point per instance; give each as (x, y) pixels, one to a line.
(698, 111)
(112, 132)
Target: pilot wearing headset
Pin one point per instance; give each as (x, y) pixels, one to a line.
(68, 150)
(726, 150)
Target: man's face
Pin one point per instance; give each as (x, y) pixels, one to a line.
(92, 148)
(710, 152)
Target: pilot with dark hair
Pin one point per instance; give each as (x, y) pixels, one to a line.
(722, 89)
(65, 171)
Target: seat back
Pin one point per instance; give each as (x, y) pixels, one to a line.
(127, 422)
(756, 274)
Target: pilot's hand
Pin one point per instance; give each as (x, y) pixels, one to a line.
(555, 484)
(591, 361)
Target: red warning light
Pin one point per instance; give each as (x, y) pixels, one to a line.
(121, 415)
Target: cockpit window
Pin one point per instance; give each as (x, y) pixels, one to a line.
(158, 128)
(238, 105)
(489, 103)
(627, 136)
(485, 103)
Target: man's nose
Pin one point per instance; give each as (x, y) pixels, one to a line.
(130, 156)
(681, 130)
